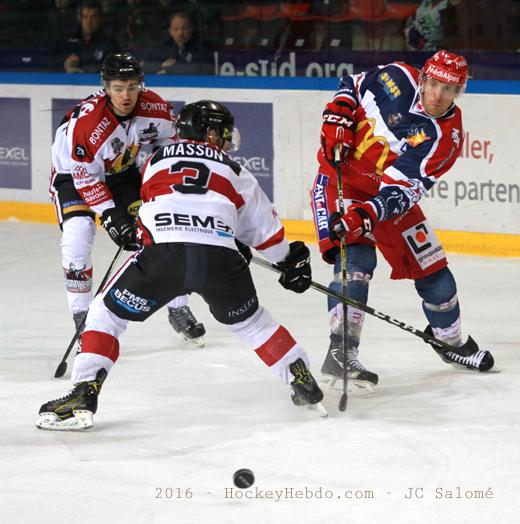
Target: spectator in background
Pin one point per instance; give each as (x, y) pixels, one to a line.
(142, 21)
(62, 16)
(184, 46)
(85, 49)
(21, 23)
(425, 29)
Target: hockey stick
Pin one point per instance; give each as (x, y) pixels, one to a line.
(439, 344)
(62, 366)
(343, 258)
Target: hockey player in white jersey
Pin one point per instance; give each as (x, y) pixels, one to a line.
(94, 171)
(196, 203)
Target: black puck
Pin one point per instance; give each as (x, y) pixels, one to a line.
(243, 478)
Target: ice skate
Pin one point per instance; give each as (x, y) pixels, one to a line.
(305, 390)
(185, 323)
(467, 356)
(78, 319)
(73, 412)
(360, 380)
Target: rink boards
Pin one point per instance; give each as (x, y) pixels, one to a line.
(474, 209)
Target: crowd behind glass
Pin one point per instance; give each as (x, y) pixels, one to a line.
(183, 37)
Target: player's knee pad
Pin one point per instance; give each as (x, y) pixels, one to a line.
(101, 319)
(440, 301)
(361, 263)
(360, 258)
(272, 342)
(255, 329)
(76, 249)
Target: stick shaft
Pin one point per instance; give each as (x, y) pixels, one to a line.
(343, 261)
(60, 371)
(366, 308)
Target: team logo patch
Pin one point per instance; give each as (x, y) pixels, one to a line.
(78, 280)
(133, 208)
(389, 85)
(80, 151)
(424, 245)
(455, 136)
(117, 145)
(150, 133)
(416, 136)
(86, 108)
(393, 119)
(319, 203)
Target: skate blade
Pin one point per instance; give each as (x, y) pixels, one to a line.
(81, 420)
(358, 388)
(197, 342)
(319, 408)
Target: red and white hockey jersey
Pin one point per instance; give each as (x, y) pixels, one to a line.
(193, 192)
(101, 144)
(61, 156)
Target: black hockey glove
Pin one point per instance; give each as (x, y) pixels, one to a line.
(296, 268)
(120, 228)
(244, 250)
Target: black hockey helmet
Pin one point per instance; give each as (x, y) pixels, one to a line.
(194, 120)
(121, 66)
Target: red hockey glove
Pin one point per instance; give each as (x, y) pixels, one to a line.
(337, 130)
(357, 222)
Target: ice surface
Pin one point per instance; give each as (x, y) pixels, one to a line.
(173, 419)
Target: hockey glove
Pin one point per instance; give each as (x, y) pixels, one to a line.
(120, 228)
(244, 250)
(337, 130)
(296, 268)
(358, 221)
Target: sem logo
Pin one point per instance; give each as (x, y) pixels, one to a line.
(191, 223)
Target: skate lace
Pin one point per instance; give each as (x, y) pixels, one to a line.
(472, 360)
(183, 317)
(352, 360)
(68, 395)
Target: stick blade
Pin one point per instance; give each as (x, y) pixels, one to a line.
(343, 402)
(60, 370)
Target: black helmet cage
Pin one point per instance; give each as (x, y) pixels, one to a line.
(195, 120)
(121, 66)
